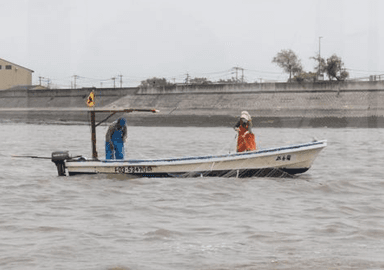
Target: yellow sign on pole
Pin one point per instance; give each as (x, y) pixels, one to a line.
(91, 99)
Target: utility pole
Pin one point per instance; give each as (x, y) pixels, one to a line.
(242, 74)
(75, 77)
(121, 81)
(40, 80)
(114, 85)
(187, 79)
(318, 76)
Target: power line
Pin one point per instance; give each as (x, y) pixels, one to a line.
(78, 80)
(365, 71)
(259, 71)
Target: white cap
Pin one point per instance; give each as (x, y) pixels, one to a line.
(245, 115)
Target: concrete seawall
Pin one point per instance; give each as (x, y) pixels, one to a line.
(332, 104)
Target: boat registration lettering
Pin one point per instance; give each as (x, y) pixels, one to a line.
(133, 169)
(283, 157)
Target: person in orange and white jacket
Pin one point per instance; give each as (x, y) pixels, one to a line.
(245, 138)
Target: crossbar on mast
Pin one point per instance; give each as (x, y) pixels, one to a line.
(112, 111)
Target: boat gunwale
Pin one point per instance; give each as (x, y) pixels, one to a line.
(197, 159)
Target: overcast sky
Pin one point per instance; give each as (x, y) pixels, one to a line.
(139, 39)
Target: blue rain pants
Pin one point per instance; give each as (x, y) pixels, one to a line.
(118, 145)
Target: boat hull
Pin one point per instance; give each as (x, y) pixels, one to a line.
(274, 162)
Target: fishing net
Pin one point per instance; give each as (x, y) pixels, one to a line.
(244, 173)
(235, 173)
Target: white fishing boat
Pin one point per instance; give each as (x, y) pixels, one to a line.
(280, 161)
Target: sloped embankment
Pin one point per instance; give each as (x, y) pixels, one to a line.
(276, 105)
(332, 105)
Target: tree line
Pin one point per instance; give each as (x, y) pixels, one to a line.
(160, 82)
(333, 67)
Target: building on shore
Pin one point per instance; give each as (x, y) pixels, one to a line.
(12, 75)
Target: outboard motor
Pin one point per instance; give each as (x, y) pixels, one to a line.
(58, 158)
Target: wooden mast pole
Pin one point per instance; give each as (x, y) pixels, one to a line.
(93, 126)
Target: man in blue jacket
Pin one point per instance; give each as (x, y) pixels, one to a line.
(115, 138)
